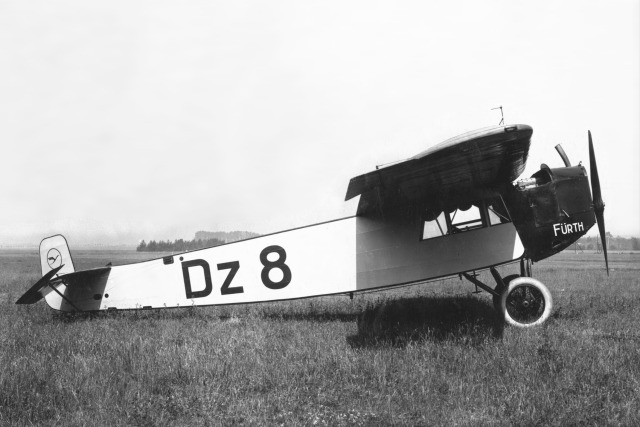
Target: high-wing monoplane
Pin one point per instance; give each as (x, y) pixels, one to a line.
(455, 209)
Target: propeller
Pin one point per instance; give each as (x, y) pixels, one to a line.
(598, 204)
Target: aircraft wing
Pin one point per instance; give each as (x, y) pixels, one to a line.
(467, 167)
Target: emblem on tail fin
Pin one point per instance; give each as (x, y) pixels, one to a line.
(54, 258)
(54, 252)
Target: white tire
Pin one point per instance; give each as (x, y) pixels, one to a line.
(526, 302)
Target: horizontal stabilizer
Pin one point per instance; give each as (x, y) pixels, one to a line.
(39, 290)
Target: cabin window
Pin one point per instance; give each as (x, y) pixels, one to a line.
(435, 228)
(466, 218)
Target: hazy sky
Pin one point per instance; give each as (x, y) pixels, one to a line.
(129, 120)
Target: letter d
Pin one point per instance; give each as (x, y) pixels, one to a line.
(187, 278)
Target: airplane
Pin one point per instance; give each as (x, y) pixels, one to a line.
(454, 209)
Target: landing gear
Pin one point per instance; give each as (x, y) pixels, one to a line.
(520, 299)
(525, 303)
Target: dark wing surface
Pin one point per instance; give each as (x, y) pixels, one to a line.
(39, 289)
(470, 166)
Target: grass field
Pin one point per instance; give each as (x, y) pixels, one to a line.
(432, 354)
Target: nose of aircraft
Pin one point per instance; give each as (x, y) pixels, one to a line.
(598, 204)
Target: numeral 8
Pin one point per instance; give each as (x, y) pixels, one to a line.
(279, 264)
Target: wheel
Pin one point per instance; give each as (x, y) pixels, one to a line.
(500, 289)
(526, 302)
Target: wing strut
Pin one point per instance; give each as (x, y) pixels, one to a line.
(63, 297)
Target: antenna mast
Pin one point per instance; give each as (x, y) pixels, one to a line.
(501, 114)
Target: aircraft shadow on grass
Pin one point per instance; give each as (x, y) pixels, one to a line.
(384, 323)
(400, 322)
(320, 317)
(221, 315)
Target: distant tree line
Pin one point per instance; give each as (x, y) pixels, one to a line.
(613, 243)
(179, 245)
(226, 236)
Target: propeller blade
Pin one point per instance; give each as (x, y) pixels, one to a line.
(598, 204)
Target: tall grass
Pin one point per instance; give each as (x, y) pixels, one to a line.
(428, 355)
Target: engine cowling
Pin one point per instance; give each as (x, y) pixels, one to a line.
(551, 210)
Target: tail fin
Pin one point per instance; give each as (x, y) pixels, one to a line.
(55, 260)
(54, 252)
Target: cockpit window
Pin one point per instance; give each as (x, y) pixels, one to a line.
(497, 211)
(494, 217)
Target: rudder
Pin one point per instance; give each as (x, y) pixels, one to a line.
(54, 252)
(55, 260)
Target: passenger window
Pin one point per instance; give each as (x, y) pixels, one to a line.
(466, 220)
(435, 228)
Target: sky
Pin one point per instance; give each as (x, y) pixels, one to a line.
(129, 120)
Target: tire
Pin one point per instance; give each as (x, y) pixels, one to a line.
(526, 303)
(501, 289)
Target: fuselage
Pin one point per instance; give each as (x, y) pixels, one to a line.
(342, 256)
(451, 209)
